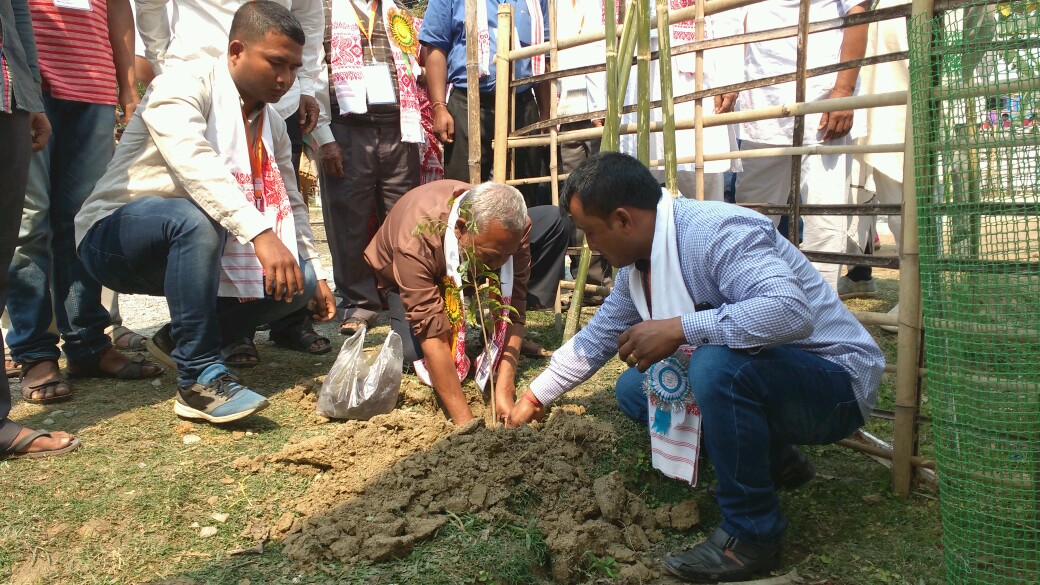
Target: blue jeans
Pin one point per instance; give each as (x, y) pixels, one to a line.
(170, 247)
(752, 406)
(48, 281)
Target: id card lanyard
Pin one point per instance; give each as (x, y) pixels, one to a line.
(371, 26)
(256, 159)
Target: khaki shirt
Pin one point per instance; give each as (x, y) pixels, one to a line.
(414, 264)
(164, 152)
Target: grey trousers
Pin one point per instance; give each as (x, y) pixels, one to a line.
(379, 170)
(571, 155)
(14, 167)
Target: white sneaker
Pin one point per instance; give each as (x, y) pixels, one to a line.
(857, 289)
(892, 328)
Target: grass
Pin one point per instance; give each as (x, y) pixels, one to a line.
(128, 507)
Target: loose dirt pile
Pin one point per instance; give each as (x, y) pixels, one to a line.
(383, 486)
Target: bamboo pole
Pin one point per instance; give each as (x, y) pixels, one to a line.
(473, 90)
(799, 123)
(554, 102)
(642, 18)
(626, 53)
(664, 63)
(609, 133)
(858, 102)
(502, 91)
(698, 107)
(908, 360)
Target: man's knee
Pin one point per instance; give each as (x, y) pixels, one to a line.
(630, 397)
(712, 369)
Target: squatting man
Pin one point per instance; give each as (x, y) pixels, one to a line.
(730, 334)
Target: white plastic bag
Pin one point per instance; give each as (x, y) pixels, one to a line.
(362, 384)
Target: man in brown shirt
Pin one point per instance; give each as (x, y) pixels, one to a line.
(410, 268)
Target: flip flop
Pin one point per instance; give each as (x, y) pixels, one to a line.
(127, 340)
(13, 368)
(15, 450)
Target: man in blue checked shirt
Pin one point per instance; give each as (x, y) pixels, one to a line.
(443, 34)
(779, 360)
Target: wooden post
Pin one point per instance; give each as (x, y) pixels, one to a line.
(554, 102)
(799, 122)
(500, 171)
(664, 62)
(473, 90)
(642, 21)
(908, 360)
(698, 107)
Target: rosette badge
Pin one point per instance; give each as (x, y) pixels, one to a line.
(402, 28)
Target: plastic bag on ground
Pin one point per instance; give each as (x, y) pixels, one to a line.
(362, 384)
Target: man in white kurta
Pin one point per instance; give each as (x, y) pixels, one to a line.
(721, 67)
(824, 178)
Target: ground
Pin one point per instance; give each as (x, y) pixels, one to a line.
(288, 497)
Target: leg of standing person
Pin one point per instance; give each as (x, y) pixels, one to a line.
(825, 181)
(550, 234)
(456, 153)
(15, 151)
(349, 202)
(295, 330)
(765, 180)
(531, 161)
(48, 280)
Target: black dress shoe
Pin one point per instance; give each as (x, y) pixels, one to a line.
(723, 558)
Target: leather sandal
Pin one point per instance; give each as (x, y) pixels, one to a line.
(723, 558)
(350, 325)
(236, 354)
(55, 385)
(302, 338)
(136, 369)
(126, 339)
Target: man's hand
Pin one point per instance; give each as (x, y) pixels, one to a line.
(443, 124)
(505, 398)
(283, 279)
(523, 412)
(836, 124)
(649, 342)
(128, 102)
(331, 159)
(324, 303)
(725, 102)
(39, 129)
(308, 114)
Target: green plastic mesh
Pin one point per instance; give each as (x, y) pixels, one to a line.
(979, 228)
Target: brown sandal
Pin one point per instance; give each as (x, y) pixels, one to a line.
(126, 339)
(135, 369)
(53, 384)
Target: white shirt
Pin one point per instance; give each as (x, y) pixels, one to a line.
(777, 57)
(199, 28)
(581, 94)
(164, 152)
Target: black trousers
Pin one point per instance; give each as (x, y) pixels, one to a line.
(530, 162)
(15, 151)
(550, 233)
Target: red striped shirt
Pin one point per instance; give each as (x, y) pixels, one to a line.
(75, 53)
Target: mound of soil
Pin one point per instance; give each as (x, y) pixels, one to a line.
(382, 486)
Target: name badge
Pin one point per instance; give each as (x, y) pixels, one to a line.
(73, 4)
(378, 85)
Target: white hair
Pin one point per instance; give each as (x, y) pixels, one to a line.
(497, 201)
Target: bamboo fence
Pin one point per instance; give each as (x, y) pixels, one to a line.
(627, 43)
